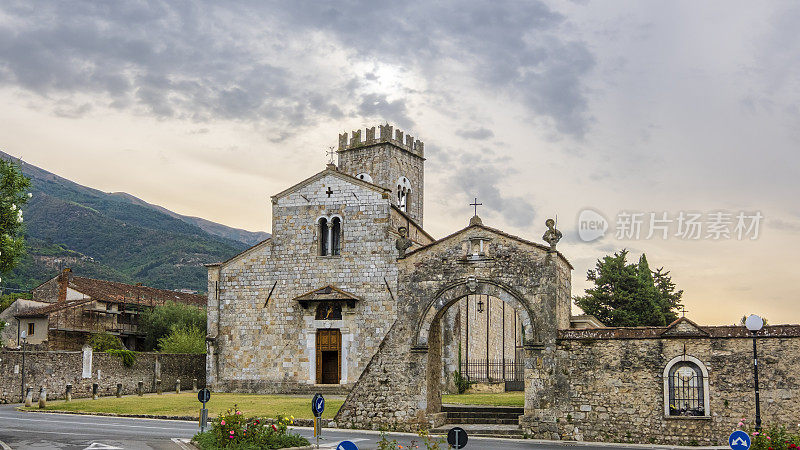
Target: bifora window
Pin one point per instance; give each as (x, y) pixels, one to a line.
(686, 388)
(329, 232)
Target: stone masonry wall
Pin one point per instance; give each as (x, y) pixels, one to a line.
(55, 369)
(269, 346)
(616, 388)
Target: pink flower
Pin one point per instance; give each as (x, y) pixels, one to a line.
(231, 431)
(238, 413)
(741, 424)
(222, 423)
(755, 433)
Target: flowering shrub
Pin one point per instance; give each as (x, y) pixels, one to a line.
(772, 437)
(232, 430)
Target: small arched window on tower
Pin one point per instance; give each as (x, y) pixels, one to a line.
(363, 176)
(322, 229)
(403, 193)
(336, 235)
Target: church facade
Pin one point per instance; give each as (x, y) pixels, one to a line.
(310, 305)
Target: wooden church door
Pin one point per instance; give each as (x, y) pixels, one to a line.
(329, 356)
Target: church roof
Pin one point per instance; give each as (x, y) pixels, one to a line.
(329, 170)
(477, 223)
(327, 293)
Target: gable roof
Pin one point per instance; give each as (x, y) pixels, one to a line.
(478, 224)
(412, 221)
(46, 310)
(243, 252)
(684, 327)
(112, 291)
(329, 170)
(327, 293)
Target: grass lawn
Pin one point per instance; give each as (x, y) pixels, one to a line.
(186, 404)
(500, 399)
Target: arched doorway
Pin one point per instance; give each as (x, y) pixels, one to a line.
(429, 336)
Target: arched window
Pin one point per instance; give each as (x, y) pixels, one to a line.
(336, 235)
(329, 311)
(403, 193)
(686, 387)
(323, 236)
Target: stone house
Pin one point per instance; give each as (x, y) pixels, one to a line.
(66, 310)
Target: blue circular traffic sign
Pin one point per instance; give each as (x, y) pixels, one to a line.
(318, 405)
(346, 445)
(739, 440)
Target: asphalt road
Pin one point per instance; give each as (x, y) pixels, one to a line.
(26, 430)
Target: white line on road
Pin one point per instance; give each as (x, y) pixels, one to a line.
(11, 419)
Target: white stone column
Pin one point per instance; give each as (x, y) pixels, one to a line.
(329, 250)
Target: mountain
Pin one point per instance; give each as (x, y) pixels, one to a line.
(116, 236)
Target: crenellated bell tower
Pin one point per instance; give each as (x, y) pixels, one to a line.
(391, 160)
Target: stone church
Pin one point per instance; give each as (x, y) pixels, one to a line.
(350, 294)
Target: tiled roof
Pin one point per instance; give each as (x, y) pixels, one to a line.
(112, 291)
(725, 331)
(326, 293)
(45, 310)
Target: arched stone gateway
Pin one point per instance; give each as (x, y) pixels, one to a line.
(400, 386)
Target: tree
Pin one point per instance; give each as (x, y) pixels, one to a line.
(183, 340)
(626, 295)
(101, 342)
(159, 322)
(13, 196)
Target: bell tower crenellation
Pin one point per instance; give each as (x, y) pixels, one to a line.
(391, 159)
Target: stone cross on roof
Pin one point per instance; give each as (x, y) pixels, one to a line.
(476, 204)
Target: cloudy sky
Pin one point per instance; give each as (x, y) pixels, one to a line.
(538, 108)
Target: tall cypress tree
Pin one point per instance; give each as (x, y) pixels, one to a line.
(627, 295)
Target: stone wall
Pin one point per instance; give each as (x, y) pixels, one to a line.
(616, 384)
(55, 369)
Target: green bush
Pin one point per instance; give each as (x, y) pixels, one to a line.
(128, 357)
(159, 322)
(101, 342)
(231, 430)
(462, 384)
(183, 340)
(772, 437)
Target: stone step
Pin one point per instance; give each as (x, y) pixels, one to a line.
(502, 431)
(484, 409)
(514, 421)
(487, 415)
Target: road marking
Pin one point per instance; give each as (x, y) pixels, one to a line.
(98, 446)
(4, 446)
(183, 443)
(10, 419)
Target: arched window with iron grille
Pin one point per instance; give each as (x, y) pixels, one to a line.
(686, 387)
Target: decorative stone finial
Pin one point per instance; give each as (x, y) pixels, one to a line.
(403, 242)
(552, 235)
(331, 166)
(475, 220)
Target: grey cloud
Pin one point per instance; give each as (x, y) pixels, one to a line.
(471, 174)
(512, 46)
(205, 61)
(374, 105)
(478, 133)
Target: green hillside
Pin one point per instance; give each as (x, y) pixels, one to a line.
(112, 236)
